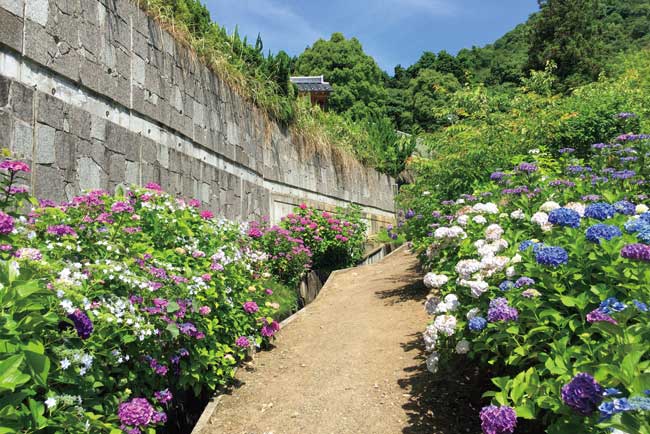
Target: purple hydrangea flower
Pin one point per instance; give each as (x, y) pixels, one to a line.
(122, 207)
(497, 176)
(6, 223)
(524, 281)
(598, 315)
(498, 420)
(636, 252)
(163, 396)
(583, 394)
(527, 167)
(500, 311)
(15, 166)
(82, 323)
(270, 328)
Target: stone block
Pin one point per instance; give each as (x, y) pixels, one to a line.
(11, 30)
(37, 11)
(148, 151)
(48, 182)
(6, 130)
(49, 110)
(13, 6)
(90, 73)
(79, 122)
(116, 138)
(91, 175)
(21, 101)
(116, 167)
(65, 146)
(132, 175)
(23, 143)
(93, 149)
(98, 128)
(45, 153)
(5, 85)
(139, 68)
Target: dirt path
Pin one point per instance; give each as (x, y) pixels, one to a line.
(349, 363)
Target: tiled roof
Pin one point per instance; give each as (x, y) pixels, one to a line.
(312, 84)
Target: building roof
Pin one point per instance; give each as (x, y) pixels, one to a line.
(312, 84)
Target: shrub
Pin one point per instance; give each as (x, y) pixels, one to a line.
(540, 278)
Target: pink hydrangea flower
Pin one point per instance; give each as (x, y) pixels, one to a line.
(251, 307)
(207, 215)
(15, 166)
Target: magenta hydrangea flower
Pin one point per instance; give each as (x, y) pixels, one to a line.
(15, 166)
(636, 252)
(6, 223)
(205, 310)
(163, 396)
(206, 215)
(61, 230)
(121, 207)
(153, 186)
(137, 412)
(82, 323)
(583, 394)
(498, 420)
(243, 342)
(194, 203)
(270, 328)
(251, 307)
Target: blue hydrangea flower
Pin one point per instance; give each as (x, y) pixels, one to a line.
(600, 211)
(506, 285)
(602, 232)
(608, 393)
(644, 235)
(612, 305)
(524, 245)
(477, 324)
(633, 226)
(645, 217)
(609, 409)
(639, 403)
(564, 217)
(625, 207)
(642, 307)
(552, 256)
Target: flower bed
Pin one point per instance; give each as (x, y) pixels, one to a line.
(541, 279)
(112, 305)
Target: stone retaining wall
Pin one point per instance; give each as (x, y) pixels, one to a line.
(94, 93)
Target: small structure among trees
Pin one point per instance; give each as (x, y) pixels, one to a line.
(316, 87)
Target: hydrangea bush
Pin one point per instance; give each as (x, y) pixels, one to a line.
(541, 279)
(114, 304)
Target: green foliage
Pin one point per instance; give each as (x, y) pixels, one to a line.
(390, 148)
(357, 80)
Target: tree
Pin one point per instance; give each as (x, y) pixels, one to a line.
(568, 33)
(359, 84)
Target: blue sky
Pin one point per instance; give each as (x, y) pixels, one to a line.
(392, 31)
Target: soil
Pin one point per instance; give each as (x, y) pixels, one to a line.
(353, 362)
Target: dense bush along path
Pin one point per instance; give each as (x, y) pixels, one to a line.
(344, 365)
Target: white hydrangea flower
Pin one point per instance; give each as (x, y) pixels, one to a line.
(493, 232)
(460, 201)
(517, 215)
(511, 272)
(478, 287)
(431, 305)
(577, 207)
(435, 281)
(432, 362)
(430, 337)
(493, 264)
(445, 324)
(516, 259)
(549, 206)
(462, 347)
(479, 219)
(473, 313)
(50, 402)
(488, 208)
(65, 363)
(451, 302)
(642, 209)
(463, 220)
(467, 267)
(540, 218)
(547, 227)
